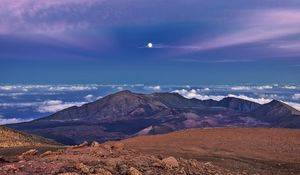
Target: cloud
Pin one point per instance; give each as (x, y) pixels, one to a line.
(294, 105)
(56, 105)
(257, 100)
(44, 17)
(4, 121)
(240, 88)
(13, 88)
(261, 25)
(264, 87)
(292, 46)
(11, 94)
(154, 88)
(19, 105)
(47, 106)
(51, 88)
(252, 26)
(89, 97)
(246, 88)
(196, 94)
(73, 88)
(296, 96)
(289, 87)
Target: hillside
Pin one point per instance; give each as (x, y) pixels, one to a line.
(12, 138)
(256, 150)
(278, 114)
(228, 151)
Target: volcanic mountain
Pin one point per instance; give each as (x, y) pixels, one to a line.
(127, 114)
(278, 114)
(13, 138)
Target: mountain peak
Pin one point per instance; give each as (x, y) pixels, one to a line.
(276, 102)
(124, 92)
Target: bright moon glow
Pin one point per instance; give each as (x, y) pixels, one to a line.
(150, 45)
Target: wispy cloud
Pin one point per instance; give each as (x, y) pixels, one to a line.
(44, 17)
(48, 106)
(56, 105)
(4, 121)
(257, 26)
(154, 88)
(296, 96)
(252, 26)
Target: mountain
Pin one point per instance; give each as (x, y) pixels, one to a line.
(126, 114)
(13, 138)
(278, 114)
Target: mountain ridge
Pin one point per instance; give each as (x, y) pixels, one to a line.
(126, 114)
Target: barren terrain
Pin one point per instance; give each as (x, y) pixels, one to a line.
(196, 151)
(253, 150)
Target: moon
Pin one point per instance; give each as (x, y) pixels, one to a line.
(150, 45)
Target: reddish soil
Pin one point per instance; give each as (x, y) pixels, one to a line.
(255, 150)
(197, 151)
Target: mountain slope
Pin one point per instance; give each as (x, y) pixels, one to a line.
(126, 114)
(13, 138)
(278, 114)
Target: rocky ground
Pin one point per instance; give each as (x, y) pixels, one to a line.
(104, 159)
(198, 151)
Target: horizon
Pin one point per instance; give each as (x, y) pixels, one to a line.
(20, 103)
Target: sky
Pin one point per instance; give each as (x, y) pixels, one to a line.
(106, 42)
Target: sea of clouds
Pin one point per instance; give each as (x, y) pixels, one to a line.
(21, 103)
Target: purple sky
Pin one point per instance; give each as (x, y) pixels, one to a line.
(248, 41)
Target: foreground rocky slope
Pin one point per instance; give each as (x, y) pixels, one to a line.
(126, 114)
(12, 138)
(197, 151)
(105, 160)
(253, 150)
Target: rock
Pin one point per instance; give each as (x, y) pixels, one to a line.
(170, 162)
(84, 144)
(123, 169)
(47, 153)
(118, 146)
(28, 154)
(108, 148)
(95, 144)
(83, 168)
(113, 162)
(9, 169)
(134, 171)
(69, 173)
(101, 171)
(155, 164)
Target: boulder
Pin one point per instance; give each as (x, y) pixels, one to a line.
(101, 171)
(28, 154)
(83, 168)
(95, 144)
(47, 153)
(134, 171)
(118, 146)
(170, 162)
(84, 144)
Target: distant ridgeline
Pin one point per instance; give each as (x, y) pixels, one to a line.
(126, 114)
